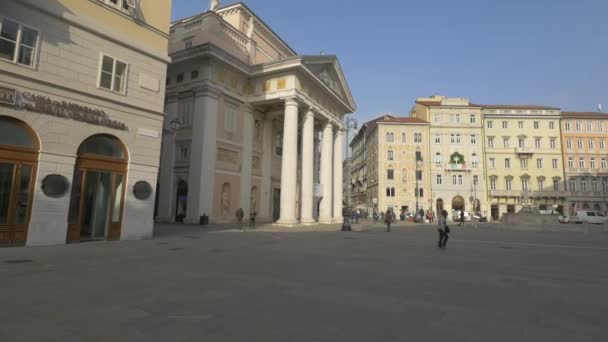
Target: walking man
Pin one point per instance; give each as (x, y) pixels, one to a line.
(388, 218)
(252, 216)
(443, 229)
(461, 218)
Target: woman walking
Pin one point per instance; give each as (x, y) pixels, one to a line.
(443, 229)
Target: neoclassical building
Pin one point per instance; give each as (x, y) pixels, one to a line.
(523, 158)
(584, 138)
(456, 153)
(81, 114)
(254, 125)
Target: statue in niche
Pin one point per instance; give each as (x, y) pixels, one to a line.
(225, 200)
(259, 133)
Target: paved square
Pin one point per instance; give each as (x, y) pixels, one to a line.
(189, 285)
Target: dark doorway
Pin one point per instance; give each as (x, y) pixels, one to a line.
(511, 209)
(495, 212)
(276, 205)
(181, 203)
(458, 203)
(439, 206)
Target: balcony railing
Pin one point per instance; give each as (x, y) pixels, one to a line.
(458, 167)
(531, 194)
(523, 150)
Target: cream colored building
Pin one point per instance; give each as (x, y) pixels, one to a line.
(584, 138)
(523, 158)
(397, 175)
(260, 126)
(456, 154)
(81, 114)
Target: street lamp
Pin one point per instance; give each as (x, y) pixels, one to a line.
(350, 123)
(419, 164)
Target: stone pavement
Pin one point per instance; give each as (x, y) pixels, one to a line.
(221, 284)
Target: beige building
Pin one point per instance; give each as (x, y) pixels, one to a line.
(456, 154)
(81, 114)
(260, 128)
(397, 175)
(584, 137)
(523, 158)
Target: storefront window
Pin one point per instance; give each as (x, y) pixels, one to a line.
(14, 133)
(6, 181)
(103, 145)
(23, 196)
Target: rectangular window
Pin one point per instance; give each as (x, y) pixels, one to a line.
(489, 124)
(591, 144)
(507, 163)
(473, 139)
(592, 163)
(600, 127)
(521, 142)
(492, 163)
(473, 119)
(580, 144)
(474, 159)
(458, 138)
(505, 142)
(551, 125)
(572, 185)
(594, 186)
(18, 43)
(460, 180)
(536, 125)
(604, 164)
(567, 125)
(113, 74)
(437, 139)
(602, 144)
(492, 184)
(584, 185)
(554, 163)
(590, 126)
(541, 185)
(437, 159)
(571, 163)
(452, 138)
(505, 124)
(439, 180)
(569, 144)
(523, 163)
(188, 43)
(537, 142)
(454, 180)
(539, 163)
(403, 137)
(578, 126)
(555, 185)
(520, 124)
(476, 180)
(437, 118)
(525, 184)
(491, 142)
(552, 143)
(419, 156)
(509, 183)
(457, 118)
(581, 163)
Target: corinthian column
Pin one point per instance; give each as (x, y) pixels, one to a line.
(308, 143)
(289, 164)
(325, 215)
(338, 175)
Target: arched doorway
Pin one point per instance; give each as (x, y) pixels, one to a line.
(439, 206)
(98, 190)
(458, 203)
(181, 202)
(19, 149)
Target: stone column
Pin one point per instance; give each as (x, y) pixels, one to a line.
(289, 164)
(308, 144)
(265, 208)
(338, 175)
(201, 177)
(247, 159)
(325, 215)
(166, 189)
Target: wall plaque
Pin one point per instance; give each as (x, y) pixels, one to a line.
(8, 96)
(142, 190)
(55, 186)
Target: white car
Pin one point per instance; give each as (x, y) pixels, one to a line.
(563, 219)
(587, 216)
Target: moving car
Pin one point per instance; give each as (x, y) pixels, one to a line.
(587, 216)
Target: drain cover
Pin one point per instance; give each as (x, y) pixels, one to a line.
(19, 261)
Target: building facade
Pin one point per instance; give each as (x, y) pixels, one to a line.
(397, 164)
(260, 127)
(81, 114)
(523, 158)
(456, 154)
(584, 137)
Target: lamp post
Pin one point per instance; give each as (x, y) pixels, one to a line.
(604, 185)
(350, 123)
(418, 173)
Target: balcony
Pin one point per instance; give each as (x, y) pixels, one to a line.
(458, 167)
(523, 151)
(531, 194)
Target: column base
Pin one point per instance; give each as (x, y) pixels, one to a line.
(326, 221)
(287, 223)
(338, 220)
(308, 222)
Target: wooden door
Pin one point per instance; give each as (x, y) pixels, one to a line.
(16, 189)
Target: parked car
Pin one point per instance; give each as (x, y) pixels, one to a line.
(587, 216)
(563, 219)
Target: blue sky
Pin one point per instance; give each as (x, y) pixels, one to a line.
(549, 52)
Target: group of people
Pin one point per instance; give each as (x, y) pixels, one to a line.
(443, 228)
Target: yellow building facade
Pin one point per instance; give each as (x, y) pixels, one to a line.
(398, 164)
(523, 158)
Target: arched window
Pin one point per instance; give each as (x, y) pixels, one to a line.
(390, 155)
(390, 137)
(403, 137)
(15, 133)
(103, 145)
(438, 160)
(390, 174)
(475, 160)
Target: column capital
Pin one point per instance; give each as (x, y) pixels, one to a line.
(247, 108)
(291, 101)
(328, 125)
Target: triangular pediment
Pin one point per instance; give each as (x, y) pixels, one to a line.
(327, 69)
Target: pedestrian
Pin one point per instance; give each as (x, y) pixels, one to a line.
(461, 218)
(357, 216)
(443, 229)
(382, 216)
(421, 215)
(387, 220)
(252, 216)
